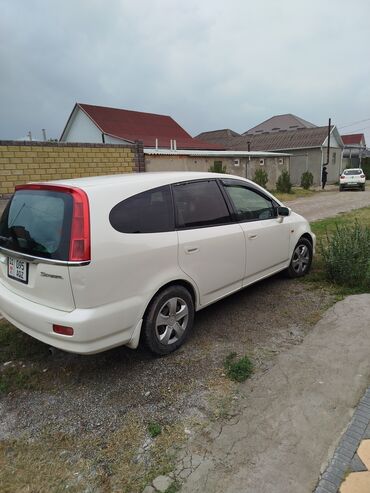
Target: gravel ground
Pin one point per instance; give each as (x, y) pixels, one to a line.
(94, 393)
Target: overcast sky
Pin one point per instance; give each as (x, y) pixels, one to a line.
(209, 64)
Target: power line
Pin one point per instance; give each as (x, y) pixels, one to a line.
(354, 123)
(359, 130)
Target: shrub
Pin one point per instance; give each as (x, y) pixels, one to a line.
(261, 177)
(307, 180)
(217, 167)
(284, 185)
(346, 256)
(238, 369)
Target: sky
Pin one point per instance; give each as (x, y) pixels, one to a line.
(209, 64)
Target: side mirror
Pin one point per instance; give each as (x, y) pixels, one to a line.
(283, 211)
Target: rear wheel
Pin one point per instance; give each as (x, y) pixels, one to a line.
(168, 320)
(300, 263)
(363, 187)
(340, 188)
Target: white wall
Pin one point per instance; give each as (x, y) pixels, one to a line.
(112, 140)
(82, 129)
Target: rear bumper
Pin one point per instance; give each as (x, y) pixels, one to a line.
(352, 185)
(95, 329)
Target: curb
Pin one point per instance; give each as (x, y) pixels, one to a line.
(345, 458)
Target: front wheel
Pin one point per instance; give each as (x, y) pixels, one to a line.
(168, 321)
(301, 261)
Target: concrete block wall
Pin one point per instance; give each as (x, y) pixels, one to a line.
(22, 162)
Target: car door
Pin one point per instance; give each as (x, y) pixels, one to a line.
(267, 235)
(211, 245)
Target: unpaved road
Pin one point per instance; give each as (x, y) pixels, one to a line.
(330, 203)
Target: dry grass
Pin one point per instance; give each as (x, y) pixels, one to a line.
(119, 462)
(296, 193)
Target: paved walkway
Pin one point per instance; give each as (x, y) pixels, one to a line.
(292, 416)
(349, 468)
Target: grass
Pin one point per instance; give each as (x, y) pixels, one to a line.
(326, 228)
(15, 345)
(238, 369)
(296, 193)
(26, 360)
(154, 429)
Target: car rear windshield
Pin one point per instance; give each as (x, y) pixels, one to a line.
(353, 172)
(38, 223)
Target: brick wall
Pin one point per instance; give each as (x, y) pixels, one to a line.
(21, 162)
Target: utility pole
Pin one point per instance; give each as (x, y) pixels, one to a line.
(328, 151)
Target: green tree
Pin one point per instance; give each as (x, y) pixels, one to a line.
(261, 177)
(217, 167)
(307, 180)
(284, 185)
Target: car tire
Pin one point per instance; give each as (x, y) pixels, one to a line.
(340, 189)
(301, 260)
(174, 305)
(363, 188)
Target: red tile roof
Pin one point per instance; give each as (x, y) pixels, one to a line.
(351, 139)
(146, 127)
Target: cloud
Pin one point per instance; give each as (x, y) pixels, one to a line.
(209, 64)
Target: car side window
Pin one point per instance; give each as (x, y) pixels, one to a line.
(200, 204)
(249, 204)
(146, 212)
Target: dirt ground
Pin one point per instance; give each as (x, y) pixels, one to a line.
(330, 202)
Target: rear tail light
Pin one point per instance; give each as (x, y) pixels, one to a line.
(342, 177)
(61, 329)
(362, 176)
(79, 247)
(80, 230)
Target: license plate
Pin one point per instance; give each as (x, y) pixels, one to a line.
(18, 270)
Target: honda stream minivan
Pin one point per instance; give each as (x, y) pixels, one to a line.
(91, 263)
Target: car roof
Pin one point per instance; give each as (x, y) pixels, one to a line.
(132, 179)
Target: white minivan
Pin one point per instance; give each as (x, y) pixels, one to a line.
(92, 263)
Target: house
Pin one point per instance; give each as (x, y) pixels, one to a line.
(279, 123)
(307, 145)
(96, 124)
(238, 163)
(354, 150)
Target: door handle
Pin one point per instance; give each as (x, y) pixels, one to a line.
(190, 250)
(252, 237)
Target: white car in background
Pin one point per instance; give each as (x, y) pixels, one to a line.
(352, 178)
(92, 263)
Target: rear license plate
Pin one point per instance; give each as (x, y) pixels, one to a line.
(18, 270)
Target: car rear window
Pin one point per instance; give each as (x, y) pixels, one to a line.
(146, 212)
(38, 222)
(352, 171)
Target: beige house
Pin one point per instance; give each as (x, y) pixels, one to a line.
(238, 163)
(305, 142)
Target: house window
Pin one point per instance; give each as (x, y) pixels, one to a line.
(334, 158)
